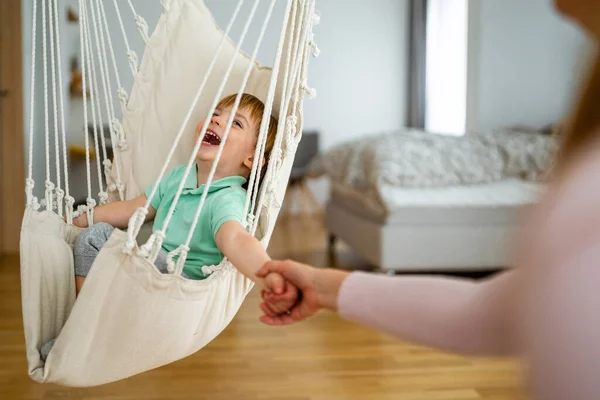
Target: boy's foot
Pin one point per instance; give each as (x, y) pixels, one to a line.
(45, 350)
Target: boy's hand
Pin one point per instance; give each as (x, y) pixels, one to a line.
(285, 295)
(81, 221)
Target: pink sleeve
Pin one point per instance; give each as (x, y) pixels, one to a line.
(455, 315)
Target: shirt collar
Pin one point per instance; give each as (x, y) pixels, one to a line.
(191, 183)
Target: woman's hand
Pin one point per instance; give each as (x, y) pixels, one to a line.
(318, 288)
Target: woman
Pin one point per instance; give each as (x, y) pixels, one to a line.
(546, 310)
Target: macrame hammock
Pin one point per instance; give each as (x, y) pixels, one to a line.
(130, 318)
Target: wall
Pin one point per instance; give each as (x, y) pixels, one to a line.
(361, 73)
(524, 63)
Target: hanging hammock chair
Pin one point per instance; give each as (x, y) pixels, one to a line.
(130, 318)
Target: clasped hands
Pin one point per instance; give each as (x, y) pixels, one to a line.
(299, 292)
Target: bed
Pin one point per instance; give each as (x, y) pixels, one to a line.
(413, 201)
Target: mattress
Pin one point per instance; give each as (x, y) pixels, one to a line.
(497, 203)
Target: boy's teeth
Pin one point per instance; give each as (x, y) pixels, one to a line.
(211, 138)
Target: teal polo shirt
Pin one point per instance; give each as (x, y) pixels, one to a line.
(224, 202)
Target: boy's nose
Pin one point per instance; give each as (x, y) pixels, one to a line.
(216, 120)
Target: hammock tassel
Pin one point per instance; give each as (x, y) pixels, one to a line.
(311, 92)
(60, 195)
(49, 196)
(123, 96)
(32, 201)
(133, 60)
(69, 202)
(135, 224)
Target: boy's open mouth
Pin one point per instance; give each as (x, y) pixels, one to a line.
(211, 138)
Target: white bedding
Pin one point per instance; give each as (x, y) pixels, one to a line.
(509, 193)
(416, 159)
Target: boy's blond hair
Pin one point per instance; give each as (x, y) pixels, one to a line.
(256, 108)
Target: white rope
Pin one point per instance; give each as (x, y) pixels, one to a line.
(303, 60)
(133, 59)
(119, 132)
(123, 96)
(118, 185)
(166, 5)
(48, 202)
(105, 161)
(315, 48)
(275, 158)
(316, 19)
(311, 92)
(96, 122)
(32, 201)
(134, 224)
(141, 23)
(292, 136)
(122, 92)
(142, 27)
(115, 124)
(254, 181)
(69, 201)
(90, 202)
(296, 52)
(275, 163)
(106, 84)
(137, 219)
(59, 193)
(181, 253)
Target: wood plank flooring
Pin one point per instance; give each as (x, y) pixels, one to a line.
(323, 359)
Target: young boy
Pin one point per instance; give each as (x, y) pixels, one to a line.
(219, 231)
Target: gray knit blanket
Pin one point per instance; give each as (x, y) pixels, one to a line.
(414, 158)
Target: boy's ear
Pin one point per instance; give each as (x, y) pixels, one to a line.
(249, 162)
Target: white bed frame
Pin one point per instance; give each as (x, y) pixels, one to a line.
(423, 247)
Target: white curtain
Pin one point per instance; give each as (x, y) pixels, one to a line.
(446, 66)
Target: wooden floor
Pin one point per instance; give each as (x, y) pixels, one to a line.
(323, 359)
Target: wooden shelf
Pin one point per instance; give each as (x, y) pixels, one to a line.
(77, 152)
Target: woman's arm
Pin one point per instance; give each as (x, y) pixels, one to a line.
(467, 317)
(454, 315)
(117, 213)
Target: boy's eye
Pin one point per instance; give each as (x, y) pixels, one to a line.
(237, 123)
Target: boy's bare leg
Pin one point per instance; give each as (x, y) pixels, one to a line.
(78, 283)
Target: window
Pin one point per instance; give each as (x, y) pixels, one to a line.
(446, 66)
